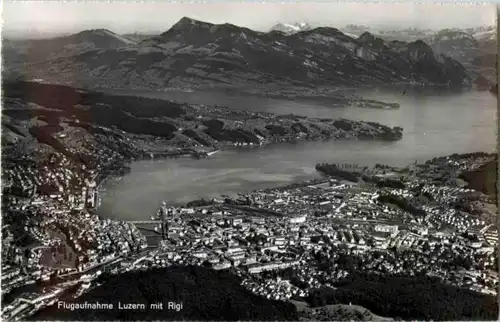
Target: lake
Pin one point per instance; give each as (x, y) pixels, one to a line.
(435, 124)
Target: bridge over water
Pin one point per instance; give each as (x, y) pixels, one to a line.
(149, 230)
(145, 222)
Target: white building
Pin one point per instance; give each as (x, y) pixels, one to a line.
(298, 219)
(393, 229)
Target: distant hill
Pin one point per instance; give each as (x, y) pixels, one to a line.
(36, 50)
(205, 294)
(465, 45)
(454, 43)
(388, 34)
(471, 51)
(481, 34)
(472, 47)
(460, 44)
(196, 53)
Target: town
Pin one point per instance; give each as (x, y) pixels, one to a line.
(282, 242)
(54, 165)
(264, 214)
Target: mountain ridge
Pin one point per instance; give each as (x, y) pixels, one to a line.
(197, 53)
(67, 45)
(462, 44)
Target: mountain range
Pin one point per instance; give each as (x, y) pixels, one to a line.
(476, 48)
(483, 33)
(194, 53)
(468, 46)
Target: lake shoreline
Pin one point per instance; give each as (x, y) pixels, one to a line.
(433, 126)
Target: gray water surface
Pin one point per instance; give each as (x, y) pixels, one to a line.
(434, 124)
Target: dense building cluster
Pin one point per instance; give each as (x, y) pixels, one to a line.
(284, 243)
(324, 231)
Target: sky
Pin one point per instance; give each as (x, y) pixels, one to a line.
(57, 17)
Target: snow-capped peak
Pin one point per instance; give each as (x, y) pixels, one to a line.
(292, 28)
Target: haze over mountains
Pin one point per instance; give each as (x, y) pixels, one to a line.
(475, 48)
(194, 53)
